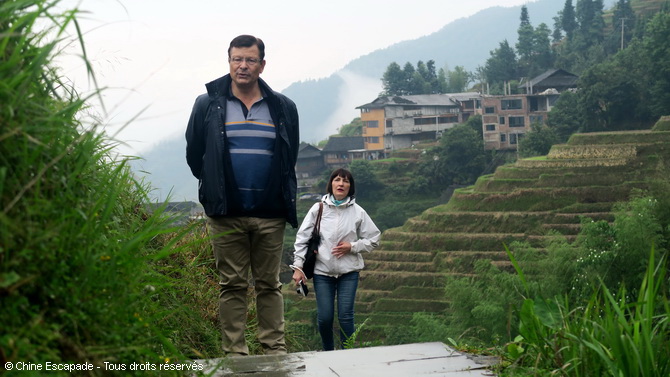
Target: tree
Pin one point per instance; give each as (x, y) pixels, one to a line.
(655, 45)
(543, 57)
(591, 24)
(538, 141)
(598, 25)
(393, 81)
(568, 19)
(557, 35)
(607, 94)
(419, 81)
(502, 65)
(458, 80)
(524, 45)
(408, 80)
(475, 122)
(367, 183)
(432, 77)
(354, 128)
(462, 155)
(623, 24)
(564, 118)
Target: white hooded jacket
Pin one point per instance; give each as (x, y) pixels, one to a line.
(347, 222)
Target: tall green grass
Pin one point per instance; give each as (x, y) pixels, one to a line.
(80, 258)
(608, 336)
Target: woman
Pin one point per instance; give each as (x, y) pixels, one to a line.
(346, 232)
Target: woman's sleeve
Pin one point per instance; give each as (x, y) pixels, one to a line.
(302, 237)
(368, 235)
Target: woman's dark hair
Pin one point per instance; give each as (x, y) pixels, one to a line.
(248, 41)
(344, 173)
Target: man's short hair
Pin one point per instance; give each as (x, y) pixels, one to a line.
(248, 41)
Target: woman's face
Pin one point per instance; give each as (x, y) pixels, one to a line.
(340, 187)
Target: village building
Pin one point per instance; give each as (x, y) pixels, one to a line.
(310, 162)
(507, 118)
(397, 122)
(341, 150)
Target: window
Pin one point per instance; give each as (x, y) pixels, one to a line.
(449, 119)
(423, 121)
(516, 121)
(489, 110)
(503, 138)
(515, 138)
(536, 119)
(501, 120)
(490, 127)
(510, 104)
(389, 123)
(372, 124)
(374, 139)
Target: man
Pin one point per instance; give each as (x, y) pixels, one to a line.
(242, 144)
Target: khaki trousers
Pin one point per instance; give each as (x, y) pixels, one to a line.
(241, 245)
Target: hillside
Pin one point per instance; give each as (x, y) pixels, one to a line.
(523, 201)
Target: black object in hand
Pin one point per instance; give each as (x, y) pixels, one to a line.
(302, 289)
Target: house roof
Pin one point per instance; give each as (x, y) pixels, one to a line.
(307, 150)
(418, 100)
(553, 78)
(465, 96)
(344, 143)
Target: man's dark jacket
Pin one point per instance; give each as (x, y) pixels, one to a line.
(208, 157)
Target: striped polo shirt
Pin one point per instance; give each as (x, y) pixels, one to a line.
(251, 140)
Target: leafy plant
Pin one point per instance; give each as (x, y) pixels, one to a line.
(350, 342)
(607, 336)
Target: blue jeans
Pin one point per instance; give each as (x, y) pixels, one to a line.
(325, 289)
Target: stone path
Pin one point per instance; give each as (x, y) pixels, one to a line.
(420, 359)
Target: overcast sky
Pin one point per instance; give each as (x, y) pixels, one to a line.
(154, 56)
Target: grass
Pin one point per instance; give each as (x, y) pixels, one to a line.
(83, 266)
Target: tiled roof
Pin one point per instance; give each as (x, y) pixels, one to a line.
(343, 144)
(552, 78)
(308, 151)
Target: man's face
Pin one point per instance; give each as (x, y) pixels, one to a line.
(245, 65)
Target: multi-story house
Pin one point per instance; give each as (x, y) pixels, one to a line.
(507, 118)
(395, 122)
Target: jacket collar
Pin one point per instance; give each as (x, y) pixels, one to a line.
(221, 87)
(349, 202)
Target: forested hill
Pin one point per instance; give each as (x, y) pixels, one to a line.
(330, 102)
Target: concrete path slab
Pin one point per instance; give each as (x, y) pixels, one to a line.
(420, 359)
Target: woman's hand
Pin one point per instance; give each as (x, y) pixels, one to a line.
(297, 276)
(341, 249)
